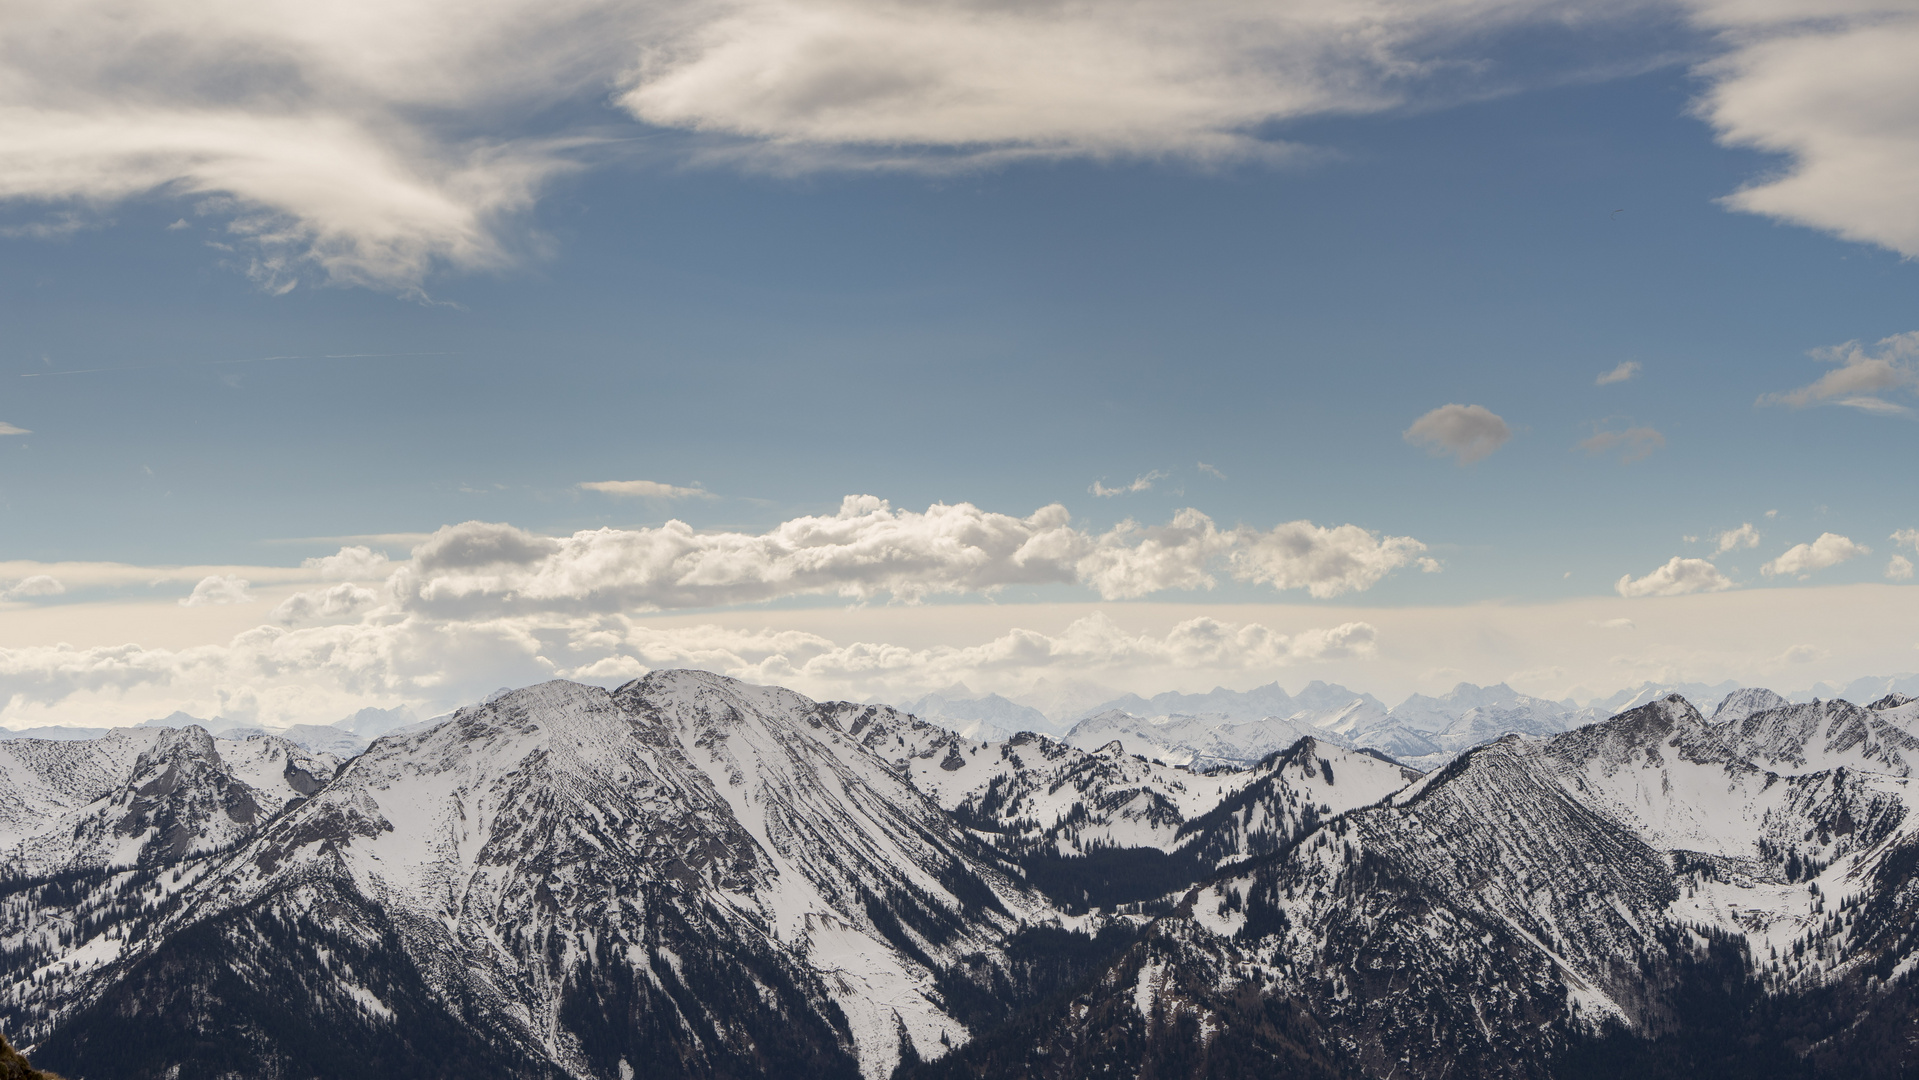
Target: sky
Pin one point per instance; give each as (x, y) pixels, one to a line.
(390, 353)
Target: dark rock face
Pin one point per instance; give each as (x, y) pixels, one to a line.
(695, 877)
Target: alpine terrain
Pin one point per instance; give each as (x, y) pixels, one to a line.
(691, 876)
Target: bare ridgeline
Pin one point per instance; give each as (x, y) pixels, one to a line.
(693, 876)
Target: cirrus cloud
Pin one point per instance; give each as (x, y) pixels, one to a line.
(1622, 373)
(1861, 378)
(646, 489)
(1830, 86)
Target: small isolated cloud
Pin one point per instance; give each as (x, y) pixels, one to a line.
(1679, 577)
(37, 585)
(1906, 538)
(218, 589)
(1745, 536)
(1772, 514)
(1467, 432)
(1210, 470)
(1614, 624)
(355, 563)
(1830, 549)
(1143, 482)
(1619, 374)
(1801, 654)
(1633, 443)
(1862, 378)
(1899, 568)
(646, 489)
(345, 600)
(10, 429)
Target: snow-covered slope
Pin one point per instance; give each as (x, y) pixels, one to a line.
(693, 876)
(1494, 917)
(1198, 742)
(142, 795)
(721, 865)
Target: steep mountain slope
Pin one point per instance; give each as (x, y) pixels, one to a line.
(103, 835)
(1105, 827)
(1499, 918)
(576, 883)
(692, 876)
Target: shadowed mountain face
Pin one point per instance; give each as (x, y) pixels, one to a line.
(693, 876)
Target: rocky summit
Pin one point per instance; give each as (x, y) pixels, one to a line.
(691, 876)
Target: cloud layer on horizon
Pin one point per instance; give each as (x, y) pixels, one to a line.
(869, 550)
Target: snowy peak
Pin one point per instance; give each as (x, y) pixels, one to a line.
(1819, 736)
(158, 795)
(563, 835)
(1742, 703)
(1199, 743)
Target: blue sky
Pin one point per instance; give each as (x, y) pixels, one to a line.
(703, 298)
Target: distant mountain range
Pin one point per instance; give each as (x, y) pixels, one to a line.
(691, 876)
(1230, 728)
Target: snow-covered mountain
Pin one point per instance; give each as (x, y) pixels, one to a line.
(1422, 731)
(1543, 904)
(693, 876)
(991, 717)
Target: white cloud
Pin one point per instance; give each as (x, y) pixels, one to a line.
(1861, 378)
(370, 142)
(804, 81)
(37, 585)
(1326, 562)
(1468, 432)
(9, 429)
(1633, 443)
(345, 600)
(354, 563)
(1745, 536)
(218, 589)
(1614, 624)
(1830, 549)
(1907, 538)
(1678, 577)
(1210, 470)
(1830, 85)
(1619, 374)
(868, 550)
(357, 142)
(1802, 654)
(646, 489)
(1899, 568)
(1142, 482)
(320, 673)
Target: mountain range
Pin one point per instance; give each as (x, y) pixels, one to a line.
(694, 876)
